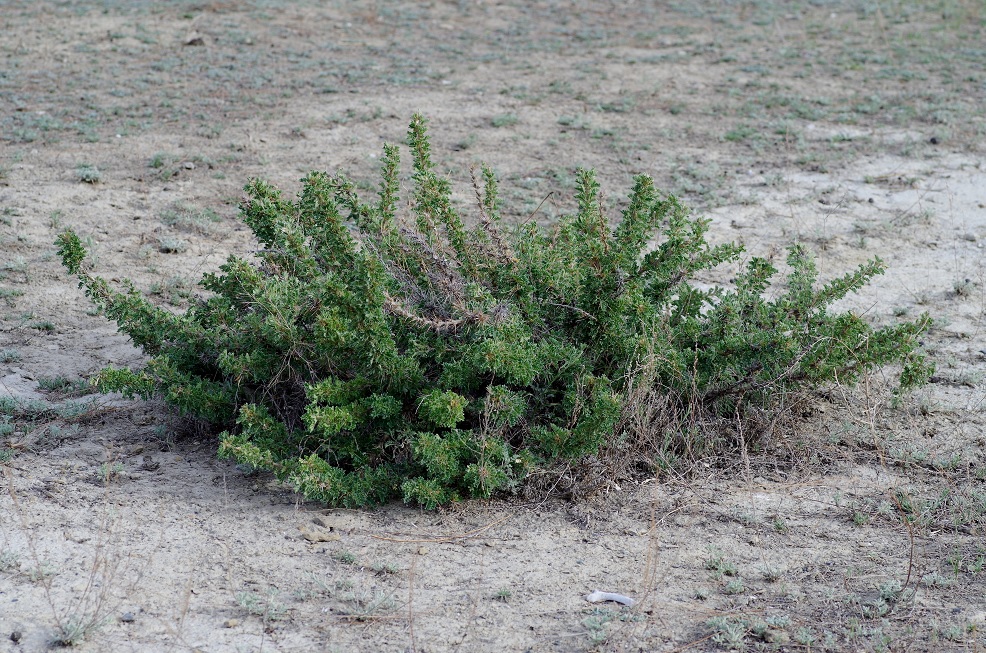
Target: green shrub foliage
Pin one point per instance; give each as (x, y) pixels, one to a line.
(365, 354)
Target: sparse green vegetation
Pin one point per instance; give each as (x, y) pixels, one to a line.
(88, 174)
(718, 565)
(183, 215)
(62, 385)
(165, 164)
(504, 120)
(503, 594)
(345, 557)
(8, 295)
(169, 245)
(175, 291)
(365, 604)
(387, 568)
(9, 560)
(47, 326)
(108, 472)
(75, 629)
(266, 606)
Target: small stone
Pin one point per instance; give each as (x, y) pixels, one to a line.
(422, 550)
(316, 534)
(15, 636)
(128, 617)
(188, 165)
(231, 623)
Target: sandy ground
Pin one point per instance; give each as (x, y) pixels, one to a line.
(854, 127)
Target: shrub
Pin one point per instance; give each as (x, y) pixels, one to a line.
(366, 354)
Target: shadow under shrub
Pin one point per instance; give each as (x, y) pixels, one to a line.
(367, 354)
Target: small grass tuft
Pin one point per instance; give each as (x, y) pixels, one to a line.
(183, 215)
(504, 120)
(266, 606)
(9, 356)
(62, 385)
(88, 174)
(718, 565)
(345, 557)
(503, 595)
(169, 245)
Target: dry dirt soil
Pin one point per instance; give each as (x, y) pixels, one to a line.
(856, 127)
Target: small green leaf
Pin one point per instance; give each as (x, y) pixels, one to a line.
(444, 409)
(71, 250)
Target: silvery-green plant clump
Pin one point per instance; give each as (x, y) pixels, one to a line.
(368, 354)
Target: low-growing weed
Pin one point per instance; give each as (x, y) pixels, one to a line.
(88, 174)
(266, 606)
(44, 570)
(46, 326)
(107, 472)
(366, 604)
(387, 568)
(718, 565)
(183, 215)
(9, 356)
(62, 385)
(170, 245)
(9, 560)
(728, 632)
(165, 164)
(503, 595)
(345, 557)
(504, 120)
(7, 295)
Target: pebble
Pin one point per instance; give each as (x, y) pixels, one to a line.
(128, 617)
(231, 623)
(15, 636)
(422, 550)
(149, 464)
